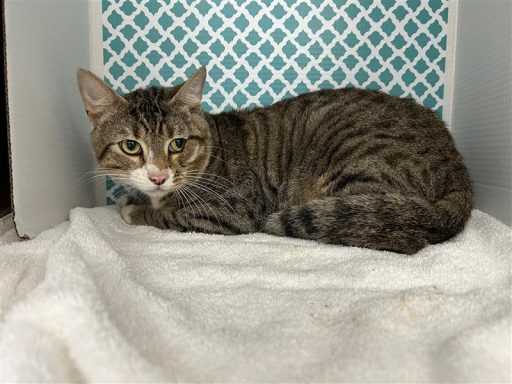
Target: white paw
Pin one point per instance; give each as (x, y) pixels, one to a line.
(123, 201)
(126, 211)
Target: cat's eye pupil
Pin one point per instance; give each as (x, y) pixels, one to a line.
(130, 147)
(177, 145)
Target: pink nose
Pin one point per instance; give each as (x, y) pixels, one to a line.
(158, 180)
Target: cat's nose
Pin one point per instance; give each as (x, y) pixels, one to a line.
(158, 180)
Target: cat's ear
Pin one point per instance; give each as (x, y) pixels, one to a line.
(96, 95)
(191, 91)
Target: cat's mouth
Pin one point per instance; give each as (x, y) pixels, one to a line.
(158, 191)
(161, 190)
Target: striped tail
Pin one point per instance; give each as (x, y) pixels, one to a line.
(393, 221)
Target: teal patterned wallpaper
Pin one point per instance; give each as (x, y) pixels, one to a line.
(258, 52)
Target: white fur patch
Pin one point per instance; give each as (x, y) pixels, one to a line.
(126, 213)
(156, 201)
(122, 201)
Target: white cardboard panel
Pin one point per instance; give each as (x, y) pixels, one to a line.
(47, 41)
(96, 38)
(449, 71)
(481, 115)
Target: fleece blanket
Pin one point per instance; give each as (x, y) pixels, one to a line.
(97, 300)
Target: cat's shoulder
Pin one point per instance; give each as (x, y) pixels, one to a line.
(367, 98)
(346, 95)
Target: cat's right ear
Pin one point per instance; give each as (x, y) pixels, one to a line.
(97, 96)
(191, 92)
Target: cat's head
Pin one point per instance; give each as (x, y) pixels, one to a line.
(152, 139)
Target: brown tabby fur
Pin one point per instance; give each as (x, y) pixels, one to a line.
(347, 166)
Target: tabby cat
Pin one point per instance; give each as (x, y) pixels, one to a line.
(347, 166)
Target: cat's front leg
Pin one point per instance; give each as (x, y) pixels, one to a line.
(134, 214)
(147, 215)
(132, 209)
(135, 211)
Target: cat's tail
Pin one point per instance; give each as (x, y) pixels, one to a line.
(392, 221)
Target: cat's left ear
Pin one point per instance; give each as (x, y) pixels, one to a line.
(98, 97)
(191, 91)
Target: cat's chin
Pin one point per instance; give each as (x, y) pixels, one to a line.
(157, 193)
(156, 196)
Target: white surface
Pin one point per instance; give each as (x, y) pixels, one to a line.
(482, 101)
(46, 43)
(449, 69)
(98, 300)
(96, 39)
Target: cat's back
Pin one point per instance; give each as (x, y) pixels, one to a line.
(324, 120)
(318, 138)
(343, 108)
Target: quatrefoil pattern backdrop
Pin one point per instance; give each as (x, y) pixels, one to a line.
(261, 51)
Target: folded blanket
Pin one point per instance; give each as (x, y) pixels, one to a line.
(97, 300)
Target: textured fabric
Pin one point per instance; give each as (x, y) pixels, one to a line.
(98, 300)
(7, 232)
(259, 52)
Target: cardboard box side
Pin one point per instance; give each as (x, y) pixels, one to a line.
(46, 42)
(449, 70)
(482, 102)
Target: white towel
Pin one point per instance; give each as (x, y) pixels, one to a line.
(97, 300)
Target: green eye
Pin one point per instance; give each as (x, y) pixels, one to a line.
(130, 147)
(177, 145)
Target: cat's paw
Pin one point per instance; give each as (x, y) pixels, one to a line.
(134, 214)
(124, 201)
(126, 211)
(132, 197)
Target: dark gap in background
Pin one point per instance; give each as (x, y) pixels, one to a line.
(5, 177)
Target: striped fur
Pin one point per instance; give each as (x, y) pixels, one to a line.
(348, 166)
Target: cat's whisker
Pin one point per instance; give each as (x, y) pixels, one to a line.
(178, 193)
(218, 158)
(96, 174)
(88, 173)
(208, 181)
(186, 175)
(206, 189)
(87, 181)
(215, 184)
(210, 184)
(213, 146)
(183, 201)
(95, 177)
(102, 170)
(208, 205)
(192, 172)
(202, 203)
(193, 201)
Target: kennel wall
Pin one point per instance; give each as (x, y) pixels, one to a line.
(256, 52)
